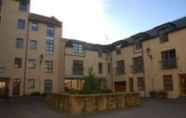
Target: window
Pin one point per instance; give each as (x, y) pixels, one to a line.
(1, 5)
(2, 69)
(50, 47)
(100, 54)
(164, 38)
(19, 43)
(169, 59)
(138, 65)
(77, 48)
(18, 62)
(23, 5)
(118, 51)
(100, 68)
(138, 45)
(50, 31)
(32, 63)
(21, 24)
(48, 86)
(77, 67)
(35, 26)
(33, 44)
(120, 67)
(109, 68)
(31, 83)
(49, 66)
(141, 84)
(168, 82)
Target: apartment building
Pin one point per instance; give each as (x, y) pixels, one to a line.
(148, 61)
(29, 48)
(81, 58)
(34, 57)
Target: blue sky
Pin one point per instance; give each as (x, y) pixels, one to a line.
(133, 16)
(106, 21)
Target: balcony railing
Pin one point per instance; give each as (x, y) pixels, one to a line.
(169, 64)
(139, 68)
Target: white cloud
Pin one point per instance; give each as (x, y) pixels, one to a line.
(83, 19)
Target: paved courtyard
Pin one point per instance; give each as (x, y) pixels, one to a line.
(34, 107)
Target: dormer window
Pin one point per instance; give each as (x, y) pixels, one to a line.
(164, 38)
(138, 45)
(77, 48)
(163, 31)
(100, 54)
(118, 51)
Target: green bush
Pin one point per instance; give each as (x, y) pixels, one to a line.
(35, 94)
(91, 85)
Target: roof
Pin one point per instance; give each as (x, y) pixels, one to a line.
(152, 33)
(140, 37)
(45, 20)
(87, 46)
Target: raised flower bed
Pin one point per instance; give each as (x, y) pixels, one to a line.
(94, 102)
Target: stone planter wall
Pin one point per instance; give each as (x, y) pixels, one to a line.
(95, 102)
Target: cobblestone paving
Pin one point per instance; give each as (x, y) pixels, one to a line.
(34, 107)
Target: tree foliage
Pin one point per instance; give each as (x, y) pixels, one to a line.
(91, 85)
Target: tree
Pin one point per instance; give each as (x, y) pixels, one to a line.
(91, 85)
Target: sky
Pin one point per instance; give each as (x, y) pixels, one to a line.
(106, 21)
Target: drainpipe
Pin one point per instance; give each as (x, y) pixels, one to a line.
(26, 53)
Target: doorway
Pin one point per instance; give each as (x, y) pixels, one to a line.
(120, 86)
(3, 88)
(183, 84)
(16, 87)
(131, 85)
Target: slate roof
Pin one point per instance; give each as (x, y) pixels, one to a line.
(143, 36)
(45, 20)
(86, 46)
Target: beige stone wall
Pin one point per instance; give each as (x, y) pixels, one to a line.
(154, 73)
(90, 60)
(8, 31)
(40, 74)
(127, 54)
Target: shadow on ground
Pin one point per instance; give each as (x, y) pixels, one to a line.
(36, 107)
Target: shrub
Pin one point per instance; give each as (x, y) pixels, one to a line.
(91, 85)
(35, 94)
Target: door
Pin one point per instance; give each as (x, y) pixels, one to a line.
(131, 85)
(16, 87)
(3, 88)
(183, 85)
(120, 86)
(48, 86)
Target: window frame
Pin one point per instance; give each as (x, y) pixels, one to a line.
(18, 62)
(21, 24)
(77, 67)
(33, 44)
(168, 83)
(19, 43)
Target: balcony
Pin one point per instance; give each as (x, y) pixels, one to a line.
(169, 64)
(138, 68)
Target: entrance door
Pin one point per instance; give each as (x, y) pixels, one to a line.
(3, 88)
(16, 87)
(131, 85)
(183, 85)
(120, 86)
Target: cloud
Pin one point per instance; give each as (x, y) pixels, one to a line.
(83, 19)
